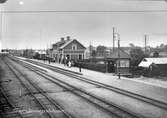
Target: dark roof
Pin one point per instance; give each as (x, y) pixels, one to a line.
(64, 43)
(123, 54)
(68, 42)
(60, 43)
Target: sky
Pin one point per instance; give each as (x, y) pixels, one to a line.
(93, 25)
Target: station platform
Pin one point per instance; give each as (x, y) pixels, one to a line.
(156, 89)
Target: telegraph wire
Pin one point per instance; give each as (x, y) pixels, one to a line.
(85, 11)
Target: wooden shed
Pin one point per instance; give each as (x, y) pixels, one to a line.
(118, 63)
(156, 66)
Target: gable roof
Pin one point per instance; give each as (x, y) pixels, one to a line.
(68, 42)
(123, 54)
(59, 43)
(146, 62)
(65, 44)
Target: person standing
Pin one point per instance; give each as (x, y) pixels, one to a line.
(49, 59)
(69, 64)
(79, 66)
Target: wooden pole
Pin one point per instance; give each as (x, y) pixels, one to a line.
(119, 76)
(113, 38)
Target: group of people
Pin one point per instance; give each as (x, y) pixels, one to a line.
(68, 63)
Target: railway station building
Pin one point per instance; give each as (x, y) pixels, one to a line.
(67, 49)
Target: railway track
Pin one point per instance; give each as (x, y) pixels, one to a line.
(7, 107)
(93, 99)
(46, 104)
(154, 102)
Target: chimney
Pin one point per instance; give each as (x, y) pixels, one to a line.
(62, 39)
(68, 38)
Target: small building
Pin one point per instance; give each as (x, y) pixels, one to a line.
(16, 52)
(28, 53)
(103, 51)
(118, 63)
(155, 65)
(158, 54)
(40, 54)
(88, 52)
(68, 49)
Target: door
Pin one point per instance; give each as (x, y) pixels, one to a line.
(80, 56)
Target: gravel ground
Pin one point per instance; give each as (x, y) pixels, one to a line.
(155, 81)
(131, 104)
(124, 101)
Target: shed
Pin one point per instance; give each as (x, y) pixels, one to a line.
(161, 64)
(114, 60)
(146, 62)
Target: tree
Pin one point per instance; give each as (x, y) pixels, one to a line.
(136, 56)
(155, 54)
(131, 45)
(165, 47)
(162, 45)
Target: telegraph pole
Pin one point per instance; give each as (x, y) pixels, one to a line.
(90, 50)
(1, 32)
(113, 38)
(1, 29)
(145, 42)
(119, 76)
(1, 2)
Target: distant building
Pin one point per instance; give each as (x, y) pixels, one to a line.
(108, 51)
(89, 51)
(40, 54)
(67, 49)
(16, 52)
(28, 53)
(102, 51)
(157, 64)
(158, 54)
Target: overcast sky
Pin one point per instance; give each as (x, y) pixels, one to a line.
(37, 30)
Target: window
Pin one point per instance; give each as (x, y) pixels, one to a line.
(123, 63)
(74, 47)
